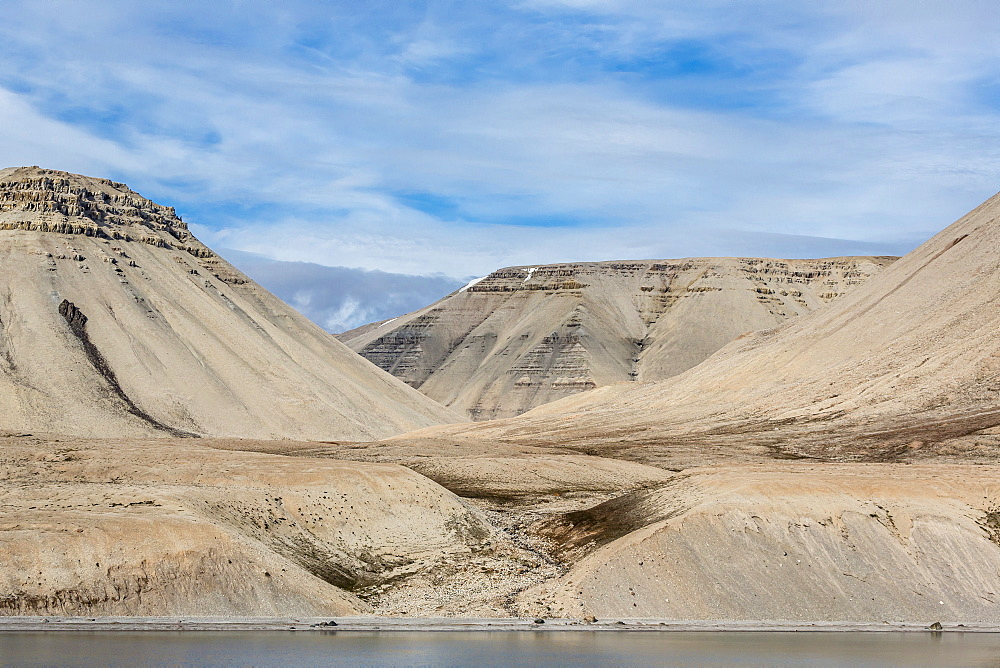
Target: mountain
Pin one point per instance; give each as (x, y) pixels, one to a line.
(116, 321)
(899, 368)
(839, 468)
(842, 466)
(525, 336)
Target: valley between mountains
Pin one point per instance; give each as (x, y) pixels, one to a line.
(793, 439)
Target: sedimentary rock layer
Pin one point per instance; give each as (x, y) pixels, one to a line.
(525, 336)
(905, 366)
(115, 320)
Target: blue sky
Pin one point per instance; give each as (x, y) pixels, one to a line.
(452, 138)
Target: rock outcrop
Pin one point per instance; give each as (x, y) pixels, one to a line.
(903, 368)
(47, 200)
(115, 320)
(842, 466)
(525, 336)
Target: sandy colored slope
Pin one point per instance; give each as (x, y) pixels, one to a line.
(907, 361)
(181, 527)
(709, 520)
(486, 470)
(902, 370)
(746, 538)
(870, 543)
(525, 336)
(166, 526)
(192, 345)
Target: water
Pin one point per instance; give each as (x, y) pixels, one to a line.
(473, 648)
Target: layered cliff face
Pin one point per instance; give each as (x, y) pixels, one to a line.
(744, 498)
(525, 336)
(904, 367)
(115, 320)
(51, 201)
(842, 466)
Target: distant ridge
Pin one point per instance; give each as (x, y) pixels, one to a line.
(117, 321)
(524, 336)
(905, 367)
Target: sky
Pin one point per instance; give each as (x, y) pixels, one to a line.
(341, 298)
(446, 139)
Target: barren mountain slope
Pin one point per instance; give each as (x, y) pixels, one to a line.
(873, 543)
(170, 527)
(907, 362)
(116, 321)
(525, 336)
(748, 538)
(902, 370)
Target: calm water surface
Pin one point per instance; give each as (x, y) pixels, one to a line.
(565, 648)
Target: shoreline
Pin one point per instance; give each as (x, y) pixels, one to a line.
(445, 624)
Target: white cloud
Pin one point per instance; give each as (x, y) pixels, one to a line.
(300, 131)
(28, 137)
(340, 298)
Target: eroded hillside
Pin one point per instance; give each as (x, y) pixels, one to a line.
(905, 366)
(840, 468)
(525, 336)
(117, 321)
(296, 529)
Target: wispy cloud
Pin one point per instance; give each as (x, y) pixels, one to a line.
(340, 298)
(433, 137)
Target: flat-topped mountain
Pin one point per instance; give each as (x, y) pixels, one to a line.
(116, 321)
(524, 336)
(900, 368)
(836, 467)
(731, 491)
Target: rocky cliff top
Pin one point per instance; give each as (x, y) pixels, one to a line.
(47, 200)
(649, 273)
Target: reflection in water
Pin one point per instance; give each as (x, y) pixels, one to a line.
(554, 648)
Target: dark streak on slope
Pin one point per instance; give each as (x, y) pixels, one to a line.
(578, 533)
(5, 351)
(78, 325)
